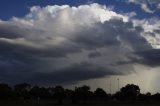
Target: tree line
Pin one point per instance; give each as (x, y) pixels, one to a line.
(26, 93)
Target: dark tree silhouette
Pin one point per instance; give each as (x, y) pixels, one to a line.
(51, 93)
(22, 90)
(69, 94)
(129, 92)
(39, 93)
(83, 93)
(156, 97)
(59, 94)
(6, 92)
(100, 94)
(145, 97)
(24, 93)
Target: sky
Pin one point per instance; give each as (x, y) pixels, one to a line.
(72, 43)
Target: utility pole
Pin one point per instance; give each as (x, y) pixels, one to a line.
(118, 84)
(118, 89)
(110, 87)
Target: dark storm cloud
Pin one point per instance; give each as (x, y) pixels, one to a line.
(53, 46)
(74, 73)
(111, 33)
(150, 57)
(97, 37)
(26, 60)
(94, 54)
(86, 38)
(17, 50)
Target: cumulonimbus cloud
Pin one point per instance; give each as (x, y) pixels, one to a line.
(52, 44)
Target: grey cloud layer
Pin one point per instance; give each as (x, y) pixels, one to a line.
(63, 44)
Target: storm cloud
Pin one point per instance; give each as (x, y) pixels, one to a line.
(64, 44)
